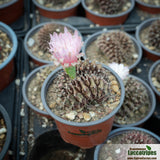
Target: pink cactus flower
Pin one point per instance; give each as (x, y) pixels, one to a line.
(65, 48)
(120, 69)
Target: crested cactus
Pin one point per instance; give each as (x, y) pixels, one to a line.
(136, 102)
(110, 6)
(44, 35)
(154, 34)
(94, 87)
(116, 46)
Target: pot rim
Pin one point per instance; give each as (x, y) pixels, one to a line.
(95, 35)
(11, 34)
(122, 130)
(152, 105)
(139, 28)
(27, 81)
(9, 131)
(37, 27)
(150, 76)
(108, 16)
(55, 10)
(83, 124)
(8, 4)
(147, 5)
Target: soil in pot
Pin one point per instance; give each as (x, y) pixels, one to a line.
(114, 46)
(150, 36)
(35, 85)
(92, 95)
(136, 103)
(38, 42)
(5, 46)
(57, 4)
(118, 152)
(4, 1)
(156, 77)
(3, 131)
(153, 2)
(109, 7)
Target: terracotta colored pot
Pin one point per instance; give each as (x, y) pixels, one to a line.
(150, 79)
(4, 114)
(94, 36)
(34, 30)
(11, 11)
(120, 131)
(107, 19)
(7, 67)
(25, 90)
(147, 52)
(57, 13)
(148, 7)
(86, 134)
(152, 105)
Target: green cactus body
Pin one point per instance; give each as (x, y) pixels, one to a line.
(136, 103)
(94, 93)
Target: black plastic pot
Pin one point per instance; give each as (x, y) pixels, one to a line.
(7, 120)
(120, 131)
(153, 55)
(51, 141)
(25, 88)
(152, 106)
(94, 36)
(150, 78)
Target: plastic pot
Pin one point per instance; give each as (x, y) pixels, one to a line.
(94, 36)
(26, 83)
(57, 13)
(152, 106)
(107, 19)
(153, 9)
(50, 142)
(120, 131)
(150, 78)
(7, 120)
(7, 67)
(14, 8)
(147, 52)
(34, 30)
(86, 134)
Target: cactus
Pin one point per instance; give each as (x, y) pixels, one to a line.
(44, 35)
(154, 34)
(135, 105)
(110, 6)
(117, 46)
(93, 86)
(137, 137)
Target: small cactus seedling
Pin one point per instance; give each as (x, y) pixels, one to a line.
(136, 102)
(117, 46)
(154, 34)
(110, 6)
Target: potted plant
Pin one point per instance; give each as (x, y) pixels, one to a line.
(152, 7)
(139, 103)
(154, 78)
(128, 135)
(72, 98)
(32, 88)
(13, 7)
(50, 145)
(8, 48)
(36, 40)
(108, 12)
(147, 34)
(57, 9)
(5, 132)
(113, 46)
